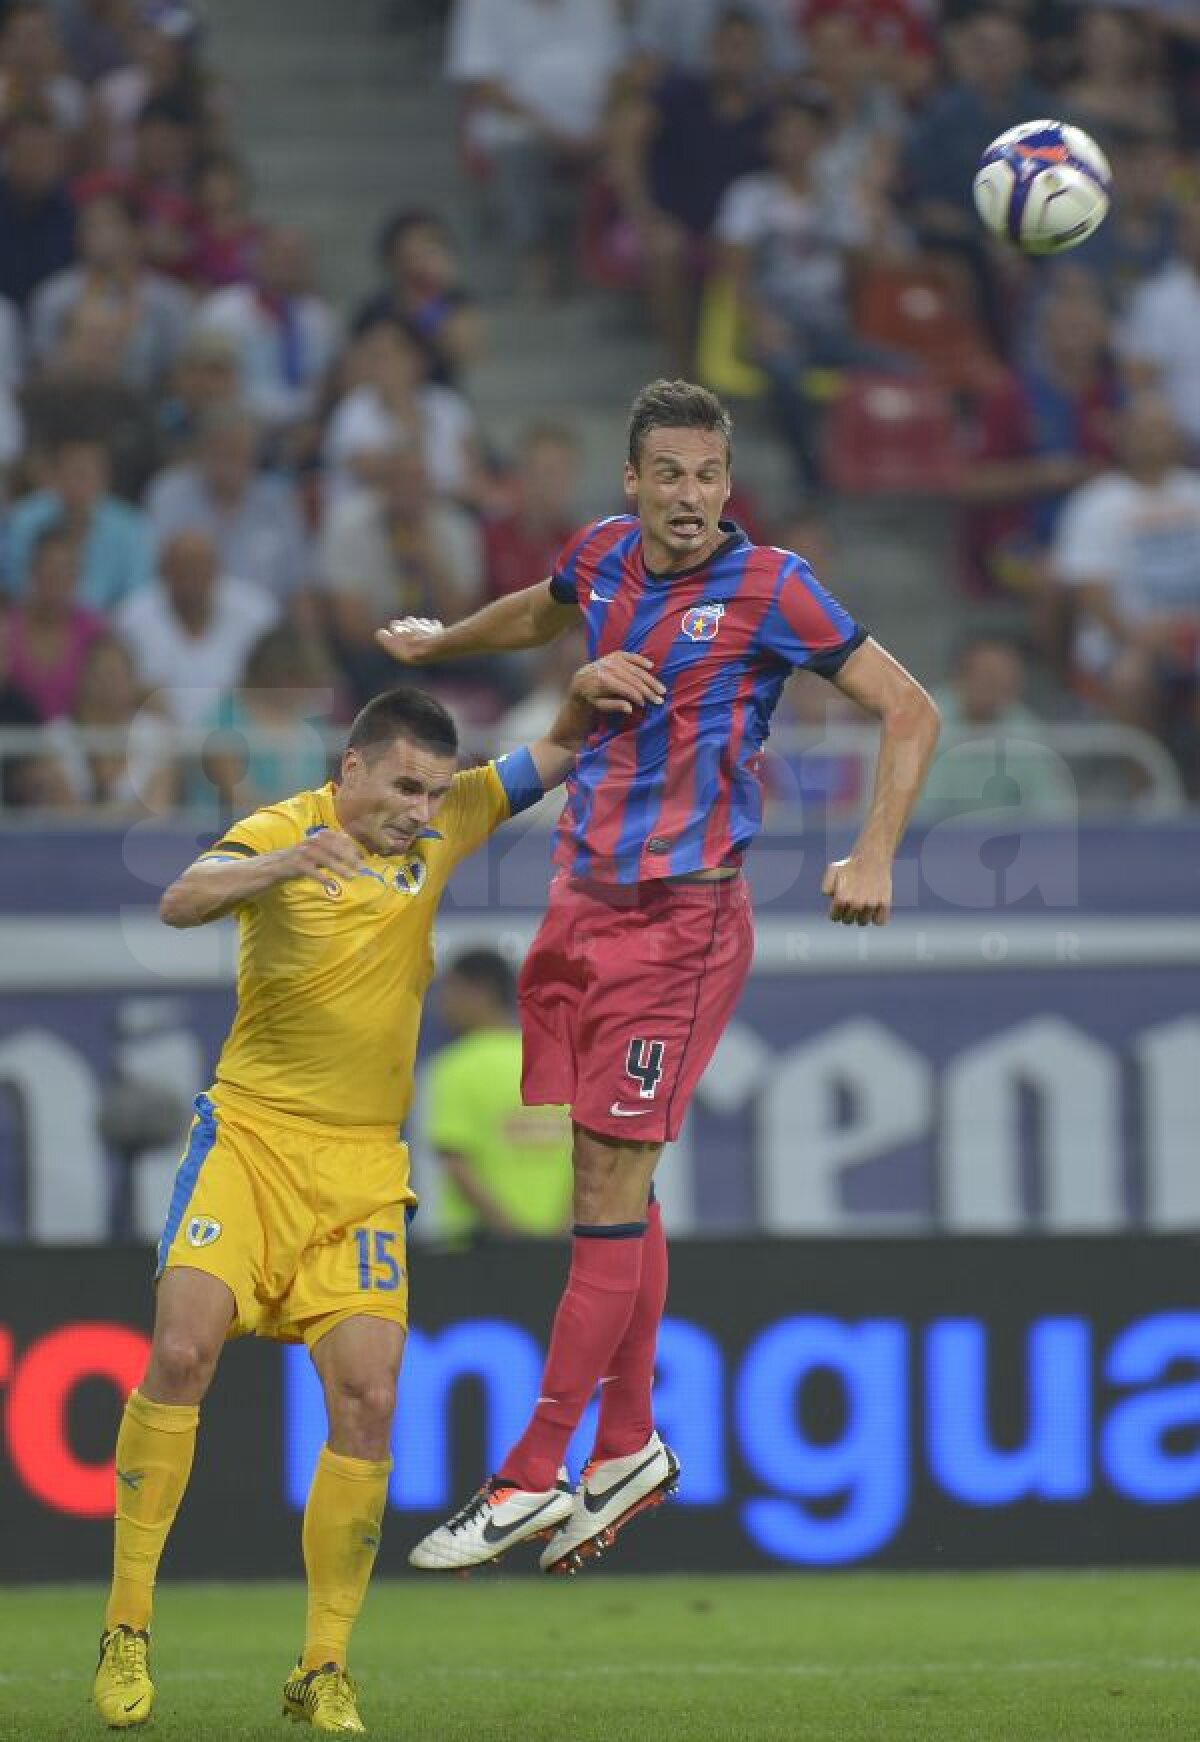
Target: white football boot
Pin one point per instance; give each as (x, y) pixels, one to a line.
(609, 1494)
(494, 1519)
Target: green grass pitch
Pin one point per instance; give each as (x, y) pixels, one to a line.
(1017, 1657)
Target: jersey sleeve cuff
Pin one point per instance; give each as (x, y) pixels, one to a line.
(519, 777)
(828, 664)
(562, 590)
(232, 850)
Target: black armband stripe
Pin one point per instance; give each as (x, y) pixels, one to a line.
(237, 847)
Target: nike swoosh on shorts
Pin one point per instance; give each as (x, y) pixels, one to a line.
(620, 1112)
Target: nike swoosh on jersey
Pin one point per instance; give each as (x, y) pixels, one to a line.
(502, 1532)
(600, 598)
(620, 1112)
(597, 1502)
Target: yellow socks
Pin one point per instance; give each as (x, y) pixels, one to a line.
(154, 1460)
(343, 1522)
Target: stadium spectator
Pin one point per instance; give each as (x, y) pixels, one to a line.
(534, 74)
(394, 549)
(677, 35)
(286, 336)
(991, 757)
(991, 90)
(32, 75)
(1160, 338)
(154, 311)
(227, 235)
(866, 118)
(391, 403)
(80, 388)
(1136, 239)
(191, 630)
(37, 214)
(1044, 428)
(897, 35)
(25, 779)
(506, 1167)
(164, 62)
(787, 242)
(207, 377)
(523, 542)
(254, 518)
(423, 289)
(1117, 82)
(704, 131)
(112, 536)
(49, 630)
(265, 733)
(165, 151)
(138, 771)
(95, 37)
(1128, 547)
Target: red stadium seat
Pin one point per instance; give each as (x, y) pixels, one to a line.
(888, 434)
(921, 310)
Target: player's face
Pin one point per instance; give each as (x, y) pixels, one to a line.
(393, 792)
(680, 486)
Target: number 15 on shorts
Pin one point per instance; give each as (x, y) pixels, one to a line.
(377, 1266)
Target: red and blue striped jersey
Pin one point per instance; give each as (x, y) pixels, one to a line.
(676, 787)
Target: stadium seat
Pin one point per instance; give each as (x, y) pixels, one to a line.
(886, 434)
(920, 310)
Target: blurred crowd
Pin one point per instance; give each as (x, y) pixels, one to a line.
(217, 485)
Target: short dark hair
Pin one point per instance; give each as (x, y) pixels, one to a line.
(403, 713)
(489, 970)
(676, 405)
(400, 223)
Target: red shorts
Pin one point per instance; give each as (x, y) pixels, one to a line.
(624, 995)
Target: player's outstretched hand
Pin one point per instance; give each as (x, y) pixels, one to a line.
(326, 853)
(617, 683)
(859, 891)
(411, 640)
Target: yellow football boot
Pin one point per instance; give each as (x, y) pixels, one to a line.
(123, 1692)
(324, 1698)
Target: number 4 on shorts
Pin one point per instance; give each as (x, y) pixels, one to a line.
(379, 1271)
(645, 1064)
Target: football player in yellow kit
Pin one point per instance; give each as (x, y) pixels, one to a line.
(289, 1209)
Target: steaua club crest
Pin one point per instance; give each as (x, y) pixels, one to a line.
(702, 622)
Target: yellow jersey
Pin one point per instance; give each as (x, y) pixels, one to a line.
(331, 976)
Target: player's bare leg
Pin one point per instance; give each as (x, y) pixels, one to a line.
(359, 1364)
(153, 1462)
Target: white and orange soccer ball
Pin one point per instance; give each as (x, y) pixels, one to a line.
(1044, 185)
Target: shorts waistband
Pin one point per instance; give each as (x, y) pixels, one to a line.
(246, 1109)
(651, 889)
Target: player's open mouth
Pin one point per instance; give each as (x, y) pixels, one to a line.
(687, 525)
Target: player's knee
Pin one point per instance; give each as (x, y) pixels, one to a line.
(362, 1402)
(182, 1362)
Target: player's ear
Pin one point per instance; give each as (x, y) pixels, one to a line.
(631, 481)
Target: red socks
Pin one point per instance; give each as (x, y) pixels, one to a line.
(592, 1316)
(626, 1411)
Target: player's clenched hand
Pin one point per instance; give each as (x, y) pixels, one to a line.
(617, 683)
(327, 852)
(859, 891)
(411, 640)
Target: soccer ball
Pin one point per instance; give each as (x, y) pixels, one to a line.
(1043, 185)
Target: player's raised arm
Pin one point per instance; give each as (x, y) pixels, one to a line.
(860, 887)
(618, 683)
(529, 618)
(213, 887)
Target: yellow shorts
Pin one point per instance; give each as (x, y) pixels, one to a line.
(304, 1222)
